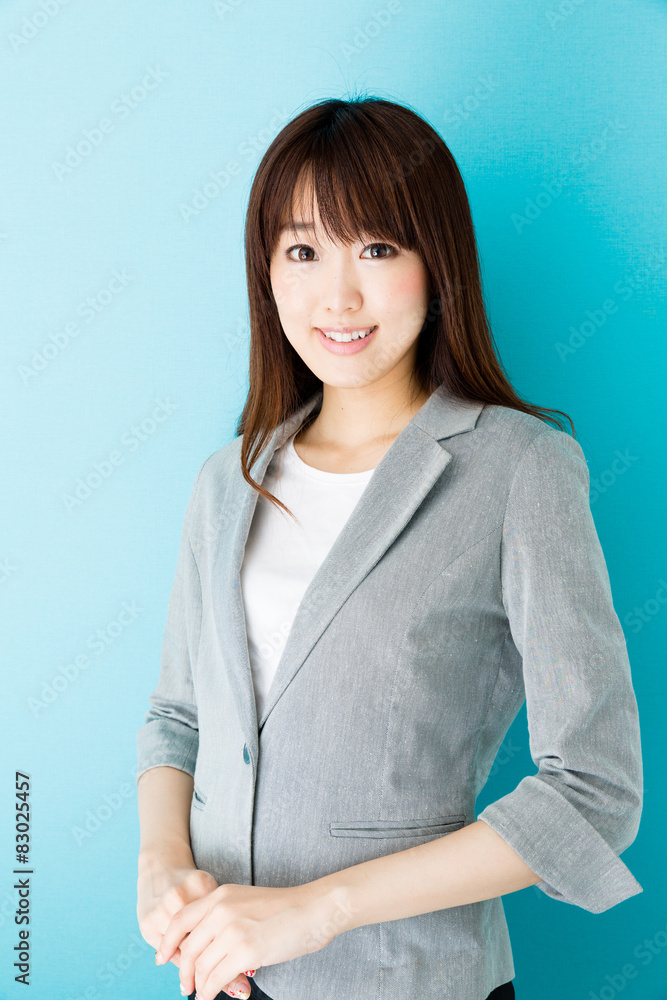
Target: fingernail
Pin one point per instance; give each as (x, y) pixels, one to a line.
(250, 972)
(158, 957)
(184, 992)
(244, 994)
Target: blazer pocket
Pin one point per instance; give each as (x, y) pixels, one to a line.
(396, 828)
(198, 798)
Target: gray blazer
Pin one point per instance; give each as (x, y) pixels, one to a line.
(468, 578)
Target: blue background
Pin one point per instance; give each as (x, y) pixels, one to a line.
(131, 134)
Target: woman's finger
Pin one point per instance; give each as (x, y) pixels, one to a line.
(196, 943)
(180, 925)
(240, 989)
(213, 965)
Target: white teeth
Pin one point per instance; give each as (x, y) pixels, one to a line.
(342, 338)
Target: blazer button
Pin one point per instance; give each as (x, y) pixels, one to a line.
(246, 755)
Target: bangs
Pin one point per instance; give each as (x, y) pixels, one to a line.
(359, 188)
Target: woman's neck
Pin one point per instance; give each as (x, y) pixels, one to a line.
(355, 428)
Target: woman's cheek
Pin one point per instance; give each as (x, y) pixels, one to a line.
(406, 304)
(410, 284)
(281, 293)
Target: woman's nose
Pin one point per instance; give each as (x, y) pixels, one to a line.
(340, 290)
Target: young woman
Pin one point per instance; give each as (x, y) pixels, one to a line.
(393, 553)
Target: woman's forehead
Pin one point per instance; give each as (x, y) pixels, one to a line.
(342, 225)
(306, 221)
(303, 204)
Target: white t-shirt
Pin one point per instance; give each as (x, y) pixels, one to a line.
(282, 557)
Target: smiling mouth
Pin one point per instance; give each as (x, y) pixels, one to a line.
(345, 337)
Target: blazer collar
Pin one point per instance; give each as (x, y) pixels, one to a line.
(399, 484)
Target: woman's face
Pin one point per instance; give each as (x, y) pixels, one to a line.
(321, 286)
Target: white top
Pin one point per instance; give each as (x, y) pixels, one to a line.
(282, 557)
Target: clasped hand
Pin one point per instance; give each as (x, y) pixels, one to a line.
(237, 928)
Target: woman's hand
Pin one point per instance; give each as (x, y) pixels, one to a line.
(168, 880)
(240, 928)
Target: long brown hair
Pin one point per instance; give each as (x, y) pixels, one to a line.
(374, 167)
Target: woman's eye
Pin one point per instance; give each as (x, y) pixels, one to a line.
(386, 246)
(301, 247)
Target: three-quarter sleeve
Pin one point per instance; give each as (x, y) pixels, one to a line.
(571, 820)
(170, 733)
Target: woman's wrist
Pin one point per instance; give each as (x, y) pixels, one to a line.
(330, 911)
(171, 852)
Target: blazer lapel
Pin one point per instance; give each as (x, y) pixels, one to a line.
(401, 481)
(229, 533)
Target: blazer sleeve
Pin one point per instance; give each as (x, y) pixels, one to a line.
(571, 820)
(170, 734)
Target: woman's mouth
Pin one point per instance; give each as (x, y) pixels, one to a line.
(350, 342)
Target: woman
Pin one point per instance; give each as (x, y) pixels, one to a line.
(393, 553)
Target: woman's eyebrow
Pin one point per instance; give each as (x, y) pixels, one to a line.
(296, 225)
